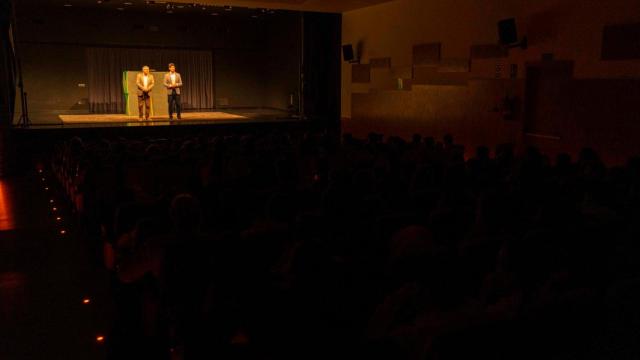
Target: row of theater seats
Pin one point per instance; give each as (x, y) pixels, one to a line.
(285, 246)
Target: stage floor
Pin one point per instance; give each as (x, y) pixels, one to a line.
(228, 116)
(119, 118)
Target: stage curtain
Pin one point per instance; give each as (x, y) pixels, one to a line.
(106, 66)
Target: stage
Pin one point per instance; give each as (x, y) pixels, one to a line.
(226, 116)
(118, 118)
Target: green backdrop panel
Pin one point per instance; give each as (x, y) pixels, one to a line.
(159, 104)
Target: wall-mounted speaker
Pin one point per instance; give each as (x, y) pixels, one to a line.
(347, 53)
(508, 31)
(508, 34)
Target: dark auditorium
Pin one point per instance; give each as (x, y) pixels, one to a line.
(319, 179)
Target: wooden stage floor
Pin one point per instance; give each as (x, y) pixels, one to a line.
(226, 116)
(120, 118)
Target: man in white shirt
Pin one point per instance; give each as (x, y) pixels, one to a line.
(173, 83)
(145, 83)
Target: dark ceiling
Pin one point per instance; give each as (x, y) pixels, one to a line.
(174, 6)
(115, 6)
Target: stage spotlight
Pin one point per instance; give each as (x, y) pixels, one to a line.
(62, 232)
(58, 218)
(100, 338)
(86, 301)
(55, 209)
(46, 188)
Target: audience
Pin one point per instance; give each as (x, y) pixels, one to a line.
(298, 247)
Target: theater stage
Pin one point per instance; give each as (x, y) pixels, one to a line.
(119, 118)
(226, 116)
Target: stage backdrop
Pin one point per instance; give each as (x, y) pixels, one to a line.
(106, 66)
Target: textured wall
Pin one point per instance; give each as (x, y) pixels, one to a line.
(569, 29)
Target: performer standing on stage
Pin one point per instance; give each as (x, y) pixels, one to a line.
(173, 83)
(145, 84)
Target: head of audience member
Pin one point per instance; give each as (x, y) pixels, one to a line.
(482, 153)
(563, 161)
(281, 208)
(591, 167)
(447, 139)
(410, 255)
(185, 214)
(153, 152)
